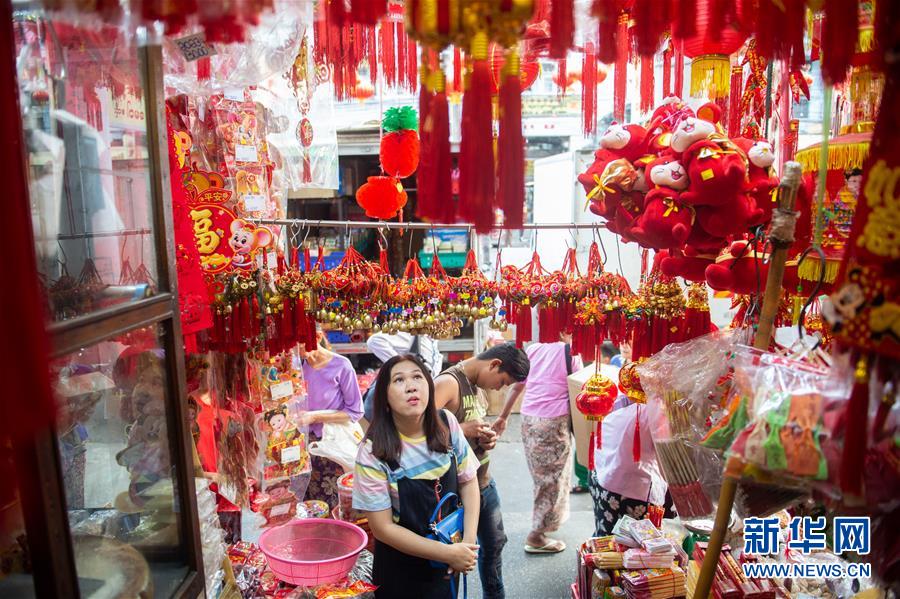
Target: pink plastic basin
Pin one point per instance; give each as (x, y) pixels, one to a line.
(313, 551)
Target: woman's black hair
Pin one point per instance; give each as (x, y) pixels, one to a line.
(382, 431)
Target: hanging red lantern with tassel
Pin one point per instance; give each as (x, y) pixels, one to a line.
(381, 197)
(595, 401)
(529, 69)
(709, 50)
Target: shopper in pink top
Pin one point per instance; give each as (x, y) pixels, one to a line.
(547, 437)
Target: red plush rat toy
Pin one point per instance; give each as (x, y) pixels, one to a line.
(714, 165)
(761, 180)
(688, 264)
(741, 269)
(625, 141)
(732, 218)
(665, 221)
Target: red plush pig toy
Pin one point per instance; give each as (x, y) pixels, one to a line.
(740, 268)
(761, 180)
(688, 264)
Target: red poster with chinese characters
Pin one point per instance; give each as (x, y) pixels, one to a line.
(193, 295)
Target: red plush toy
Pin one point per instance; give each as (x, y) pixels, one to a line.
(761, 180)
(740, 268)
(665, 221)
(624, 141)
(688, 264)
(716, 168)
(733, 218)
(663, 122)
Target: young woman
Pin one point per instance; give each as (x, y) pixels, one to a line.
(333, 395)
(414, 455)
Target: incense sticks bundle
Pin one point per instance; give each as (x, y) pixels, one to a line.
(684, 481)
(677, 413)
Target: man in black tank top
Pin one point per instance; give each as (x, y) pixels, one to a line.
(460, 389)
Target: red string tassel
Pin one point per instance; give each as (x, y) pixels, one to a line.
(686, 20)
(591, 447)
(607, 13)
(599, 439)
(204, 68)
(372, 54)
(734, 101)
(368, 11)
(855, 437)
(511, 146)
(388, 61)
(679, 70)
(647, 83)
(424, 176)
(306, 260)
(412, 63)
(562, 27)
(589, 89)
(401, 39)
(523, 324)
(620, 81)
(441, 160)
(476, 151)
(667, 70)
(839, 35)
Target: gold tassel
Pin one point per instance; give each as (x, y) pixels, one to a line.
(711, 76)
(866, 41)
(810, 270)
(841, 156)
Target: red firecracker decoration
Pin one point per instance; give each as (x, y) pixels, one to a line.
(381, 197)
(596, 401)
(399, 150)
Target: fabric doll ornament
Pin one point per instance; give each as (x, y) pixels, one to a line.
(625, 141)
(716, 168)
(741, 268)
(666, 220)
(761, 179)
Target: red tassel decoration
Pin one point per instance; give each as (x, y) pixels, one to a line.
(388, 60)
(372, 55)
(839, 35)
(457, 71)
(368, 12)
(307, 263)
(591, 447)
(620, 81)
(679, 70)
(734, 101)
(599, 436)
(400, 52)
(589, 89)
(476, 152)
(562, 27)
(607, 13)
(855, 437)
(441, 159)
(685, 24)
(424, 177)
(204, 68)
(667, 71)
(254, 317)
(647, 83)
(523, 324)
(511, 146)
(651, 18)
(412, 63)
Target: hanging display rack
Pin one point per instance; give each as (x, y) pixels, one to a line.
(309, 223)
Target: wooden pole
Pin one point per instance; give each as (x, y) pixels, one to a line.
(781, 235)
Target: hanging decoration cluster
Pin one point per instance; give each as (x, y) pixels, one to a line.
(484, 187)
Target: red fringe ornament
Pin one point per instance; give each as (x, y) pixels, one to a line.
(839, 36)
(647, 83)
(387, 53)
(855, 435)
(651, 18)
(592, 445)
(424, 176)
(667, 71)
(589, 89)
(620, 81)
(523, 324)
(476, 152)
(685, 22)
(734, 101)
(204, 68)
(511, 146)
(372, 54)
(441, 159)
(679, 70)
(562, 27)
(607, 13)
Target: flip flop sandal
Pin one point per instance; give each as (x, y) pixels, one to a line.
(579, 489)
(554, 546)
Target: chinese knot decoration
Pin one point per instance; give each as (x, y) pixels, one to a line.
(596, 402)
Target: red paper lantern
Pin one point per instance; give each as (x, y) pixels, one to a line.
(529, 69)
(596, 402)
(574, 74)
(400, 153)
(710, 67)
(381, 197)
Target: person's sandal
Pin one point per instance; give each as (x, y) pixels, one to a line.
(551, 546)
(579, 489)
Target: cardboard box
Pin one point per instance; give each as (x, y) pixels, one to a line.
(582, 426)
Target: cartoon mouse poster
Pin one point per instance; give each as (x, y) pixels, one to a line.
(246, 238)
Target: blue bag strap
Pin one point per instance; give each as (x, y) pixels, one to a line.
(437, 509)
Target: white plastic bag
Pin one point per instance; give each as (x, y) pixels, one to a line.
(339, 443)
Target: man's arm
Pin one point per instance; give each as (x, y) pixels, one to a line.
(446, 396)
(499, 425)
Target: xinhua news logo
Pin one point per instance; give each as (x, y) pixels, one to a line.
(850, 535)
